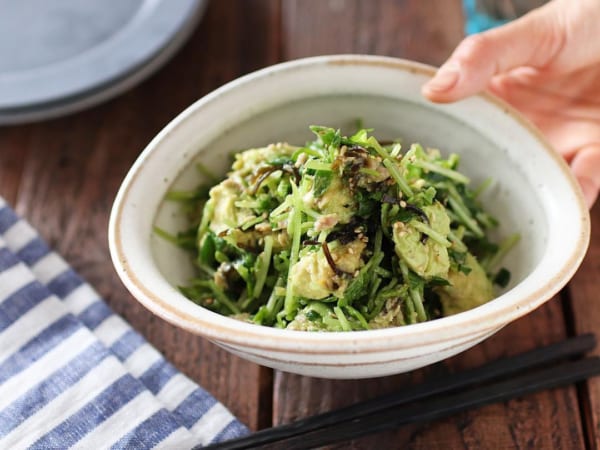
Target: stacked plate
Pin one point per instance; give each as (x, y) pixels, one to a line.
(60, 56)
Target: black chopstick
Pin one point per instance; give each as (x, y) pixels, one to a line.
(500, 368)
(437, 408)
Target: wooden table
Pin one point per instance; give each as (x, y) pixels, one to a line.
(62, 175)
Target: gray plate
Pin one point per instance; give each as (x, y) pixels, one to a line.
(63, 55)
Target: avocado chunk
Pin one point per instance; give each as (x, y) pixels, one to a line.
(427, 259)
(466, 291)
(338, 201)
(225, 214)
(226, 217)
(313, 278)
(247, 161)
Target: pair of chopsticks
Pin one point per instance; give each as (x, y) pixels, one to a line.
(438, 398)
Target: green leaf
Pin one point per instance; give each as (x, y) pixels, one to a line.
(312, 315)
(414, 281)
(464, 269)
(281, 261)
(403, 215)
(266, 203)
(438, 281)
(502, 278)
(361, 137)
(359, 286)
(328, 136)
(207, 250)
(321, 182)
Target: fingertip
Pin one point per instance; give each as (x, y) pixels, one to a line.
(445, 78)
(437, 97)
(460, 77)
(590, 190)
(586, 167)
(441, 88)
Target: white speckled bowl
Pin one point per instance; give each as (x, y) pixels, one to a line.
(534, 194)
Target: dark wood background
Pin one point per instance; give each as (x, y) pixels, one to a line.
(62, 175)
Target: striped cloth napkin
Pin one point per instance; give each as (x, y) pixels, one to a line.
(73, 374)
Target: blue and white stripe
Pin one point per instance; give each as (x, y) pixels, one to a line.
(73, 374)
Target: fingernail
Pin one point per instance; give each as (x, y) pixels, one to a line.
(590, 190)
(445, 78)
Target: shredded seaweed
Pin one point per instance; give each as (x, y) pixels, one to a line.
(344, 233)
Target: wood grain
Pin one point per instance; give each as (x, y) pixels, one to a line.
(413, 29)
(585, 314)
(12, 162)
(63, 174)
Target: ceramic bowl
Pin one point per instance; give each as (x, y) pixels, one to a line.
(533, 193)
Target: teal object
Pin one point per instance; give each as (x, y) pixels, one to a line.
(478, 21)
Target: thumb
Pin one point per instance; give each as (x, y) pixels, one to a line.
(532, 40)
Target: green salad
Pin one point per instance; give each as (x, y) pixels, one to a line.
(344, 233)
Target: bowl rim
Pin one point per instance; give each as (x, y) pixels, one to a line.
(492, 315)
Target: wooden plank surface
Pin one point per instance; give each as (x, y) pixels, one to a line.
(425, 31)
(585, 313)
(62, 175)
(11, 163)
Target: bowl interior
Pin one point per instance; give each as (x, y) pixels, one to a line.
(512, 197)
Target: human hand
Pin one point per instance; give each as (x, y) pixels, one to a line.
(547, 65)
